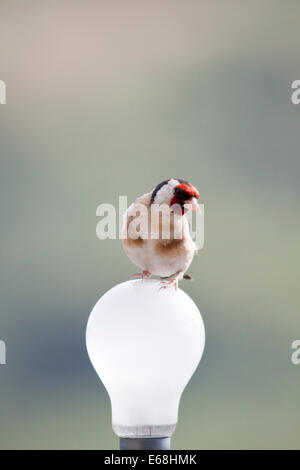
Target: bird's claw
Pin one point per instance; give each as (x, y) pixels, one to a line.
(142, 275)
(168, 284)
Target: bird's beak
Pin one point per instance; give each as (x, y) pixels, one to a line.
(193, 205)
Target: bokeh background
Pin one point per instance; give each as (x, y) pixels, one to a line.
(111, 97)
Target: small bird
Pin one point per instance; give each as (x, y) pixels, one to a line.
(155, 232)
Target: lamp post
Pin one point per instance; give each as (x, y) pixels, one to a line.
(145, 344)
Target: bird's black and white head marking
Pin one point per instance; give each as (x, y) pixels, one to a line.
(164, 191)
(156, 189)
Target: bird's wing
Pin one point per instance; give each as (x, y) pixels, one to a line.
(137, 212)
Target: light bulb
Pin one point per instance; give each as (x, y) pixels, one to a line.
(145, 343)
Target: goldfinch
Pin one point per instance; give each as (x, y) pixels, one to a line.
(155, 231)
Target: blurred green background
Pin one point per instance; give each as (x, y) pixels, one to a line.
(109, 98)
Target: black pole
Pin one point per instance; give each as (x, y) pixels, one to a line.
(145, 443)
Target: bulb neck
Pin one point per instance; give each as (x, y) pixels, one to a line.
(145, 443)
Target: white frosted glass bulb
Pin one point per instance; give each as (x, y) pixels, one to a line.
(145, 344)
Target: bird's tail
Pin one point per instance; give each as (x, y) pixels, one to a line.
(188, 277)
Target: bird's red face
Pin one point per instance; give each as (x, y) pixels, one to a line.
(185, 195)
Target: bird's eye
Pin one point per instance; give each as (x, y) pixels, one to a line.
(180, 193)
